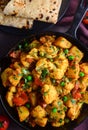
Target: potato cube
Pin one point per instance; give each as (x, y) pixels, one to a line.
(38, 112)
(41, 121)
(15, 77)
(77, 53)
(10, 94)
(9, 97)
(23, 113)
(4, 76)
(85, 97)
(33, 98)
(62, 42)
(73, 71)
(84, 67)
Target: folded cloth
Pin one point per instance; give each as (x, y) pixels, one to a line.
(66, 21)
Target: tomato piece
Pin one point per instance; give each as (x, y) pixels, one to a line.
(76, 87)
(38, 82)
(15, 54)
(30, 60)
(20, 99)
(85, 19)
(76, 95)
(4, 122)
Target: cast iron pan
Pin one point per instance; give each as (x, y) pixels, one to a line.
(71, 36)
(38, 25)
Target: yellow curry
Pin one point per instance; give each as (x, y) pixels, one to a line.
(46, 81)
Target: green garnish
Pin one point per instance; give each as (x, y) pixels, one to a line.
(66, 120)
(45, 93)
(53, 80)
(27, 105)
(65, 108)
(15, 77)
(1, 124)
(59, 103)
(42, 54)
(51, 59)
(65, 98)
(73, 101)
(24, 71)
(26, 45)
(60, 120)
(20, 46)
(26, 86)
(44, 73)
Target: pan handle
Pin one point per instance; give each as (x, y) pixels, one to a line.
(80, 13)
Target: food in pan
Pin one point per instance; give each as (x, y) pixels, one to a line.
(46, 81)
(22, 13)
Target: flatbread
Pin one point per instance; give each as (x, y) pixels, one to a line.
(12, 20)
(43, 10)
(3, 3)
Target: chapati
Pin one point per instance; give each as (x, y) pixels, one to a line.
(13, 21)
(43, 10)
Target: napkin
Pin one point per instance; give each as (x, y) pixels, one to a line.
(66, 21)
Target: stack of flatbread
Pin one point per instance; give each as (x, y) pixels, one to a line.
(22, 13)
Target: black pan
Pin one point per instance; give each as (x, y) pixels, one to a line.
(71, 36)
(38, 25)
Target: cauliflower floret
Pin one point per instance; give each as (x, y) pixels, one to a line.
(43, 63)
(26, 59)
(48, 51)
(34, 53)
(67, 88)
(61, 67)
(49, 93)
